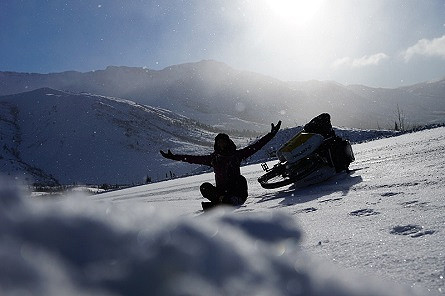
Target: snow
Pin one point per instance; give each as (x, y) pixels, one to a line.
(375, 231)
(106, 140)
(102, 140)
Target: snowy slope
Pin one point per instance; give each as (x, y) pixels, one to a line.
(49, 135)
(385, 219)
(376, 231)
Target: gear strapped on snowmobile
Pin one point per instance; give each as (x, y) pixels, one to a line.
(312, 156)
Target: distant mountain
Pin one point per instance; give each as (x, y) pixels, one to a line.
(208, 91)
(420, 104)
(49, 136)
(216, 94)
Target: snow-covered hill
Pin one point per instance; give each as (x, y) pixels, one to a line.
(216, 94)
(376, 231)
(50, 136)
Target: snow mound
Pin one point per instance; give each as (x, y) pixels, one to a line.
(79, 247)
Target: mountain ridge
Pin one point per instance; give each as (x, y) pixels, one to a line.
(217, 94)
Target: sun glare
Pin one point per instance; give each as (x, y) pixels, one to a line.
(295, 12)
(291, 36)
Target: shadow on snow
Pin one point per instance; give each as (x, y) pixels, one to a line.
(291, 195)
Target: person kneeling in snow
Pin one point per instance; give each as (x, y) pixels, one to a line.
(231, 186)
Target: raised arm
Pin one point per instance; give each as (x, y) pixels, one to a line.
(195, 159)
(251, 149)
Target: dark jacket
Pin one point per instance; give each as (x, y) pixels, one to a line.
(226, 165)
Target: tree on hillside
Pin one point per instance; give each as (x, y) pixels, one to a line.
(399, 124)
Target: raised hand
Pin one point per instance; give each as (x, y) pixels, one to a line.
(169, 154)
(275, 128)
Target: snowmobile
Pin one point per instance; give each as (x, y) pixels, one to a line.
(311, 156)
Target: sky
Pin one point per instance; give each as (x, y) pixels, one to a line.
(376, 43)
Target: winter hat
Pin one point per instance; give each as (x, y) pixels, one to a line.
(231, 147)
(222, 136)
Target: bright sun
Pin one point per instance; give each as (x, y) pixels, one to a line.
(294, 12)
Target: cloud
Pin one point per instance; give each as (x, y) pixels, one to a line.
(364, 61)
(346, 61)
(425, 47)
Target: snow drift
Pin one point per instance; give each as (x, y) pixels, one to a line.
(78, 247)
